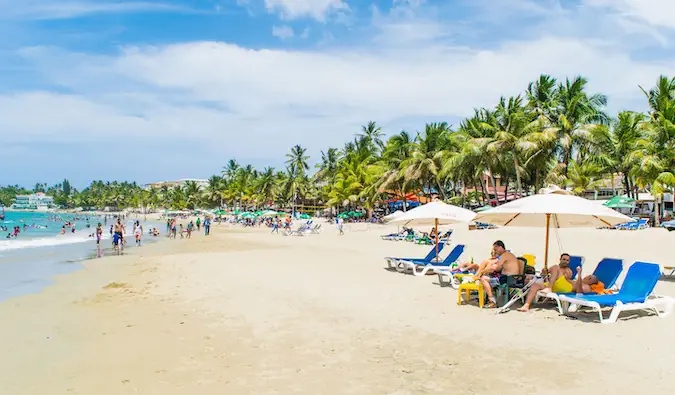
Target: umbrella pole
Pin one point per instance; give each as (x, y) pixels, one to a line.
(548, 220)
(436, 230)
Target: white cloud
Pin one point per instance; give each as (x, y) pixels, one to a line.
(654, 12)
(63, 9)
(317, 9)
(207, 88)
(246, 103)
(283, 32)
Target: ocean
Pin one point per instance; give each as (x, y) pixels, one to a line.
(29, 262)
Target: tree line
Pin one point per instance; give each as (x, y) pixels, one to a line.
(555, 132)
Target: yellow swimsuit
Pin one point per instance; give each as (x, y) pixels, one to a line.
(561, 285)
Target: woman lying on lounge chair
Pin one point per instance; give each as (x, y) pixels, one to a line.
(483, 267)
(562, 284)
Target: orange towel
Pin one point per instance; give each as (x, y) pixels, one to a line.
(599, 289)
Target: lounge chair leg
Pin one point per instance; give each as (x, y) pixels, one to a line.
(613, 316)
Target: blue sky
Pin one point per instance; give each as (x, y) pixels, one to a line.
(152, 90)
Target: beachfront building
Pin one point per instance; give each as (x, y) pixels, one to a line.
(201, 183)
(36, 201)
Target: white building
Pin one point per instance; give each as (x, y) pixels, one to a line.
(201, 183)
(36, 201)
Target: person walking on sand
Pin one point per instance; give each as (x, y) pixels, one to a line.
(198, 223)
(341, 224)
(190, 226)
(138, 232)
(181, 231)
(207, 226)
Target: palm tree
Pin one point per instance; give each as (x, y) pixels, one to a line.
(429, 152)
(328, 166)
(614, 145)
(371, 135)
(230, 170)
(573, 116)
(512, 130)
(265, 185)
(297, 160)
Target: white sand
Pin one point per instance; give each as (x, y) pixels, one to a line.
(246, 312)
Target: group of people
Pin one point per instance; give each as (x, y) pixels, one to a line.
(15, 231)
(503, 263)
(173, 228)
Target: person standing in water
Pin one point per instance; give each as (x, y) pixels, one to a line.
(99, 236)
(138, 232)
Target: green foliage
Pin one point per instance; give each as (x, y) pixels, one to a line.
(556, 132)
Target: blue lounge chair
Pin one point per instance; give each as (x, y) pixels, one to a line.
(413, 264)
(575, 262)
(391, 261)
(607, 272)
(635, 294)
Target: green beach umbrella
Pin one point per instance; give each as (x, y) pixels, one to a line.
(358, 214)
(305, 216)
(479, 209)
(619, 202)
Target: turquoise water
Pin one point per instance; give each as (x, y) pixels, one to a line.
(29, 262)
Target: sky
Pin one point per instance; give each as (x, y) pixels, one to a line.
(150, 90)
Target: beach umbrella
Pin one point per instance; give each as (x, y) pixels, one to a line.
(358, 214)
(619, 202)
(269, 213)
(305, 216)
(393, 215)
(552, 210)
(481, 209)
(435, 213)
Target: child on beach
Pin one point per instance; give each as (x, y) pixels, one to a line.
(181, 231)
(116, 242)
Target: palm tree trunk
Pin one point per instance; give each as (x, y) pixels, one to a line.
(463, 195)
(519, 186)
(626, 184)
(483, 187)
(494, 185)
(441, 191)
(506, 189)
(611, 175)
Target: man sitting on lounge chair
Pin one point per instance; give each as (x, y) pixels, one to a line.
(561, 280)
(507, 265)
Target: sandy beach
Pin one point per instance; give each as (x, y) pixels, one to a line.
(246, 312)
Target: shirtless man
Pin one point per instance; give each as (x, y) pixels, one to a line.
(562, 284)
(560, 281)
(506, 265)
(119, 231)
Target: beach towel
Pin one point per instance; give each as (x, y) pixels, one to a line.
(599, 289)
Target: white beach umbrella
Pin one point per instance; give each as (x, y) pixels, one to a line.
(270, 213)
(552, 210)
(435, 213)
(393, 215)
